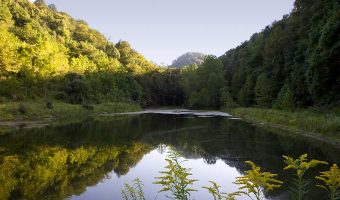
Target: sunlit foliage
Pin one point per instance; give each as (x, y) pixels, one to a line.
(300, 166)
(134, 192)
(330, 182)
(214, 190)
(33, 173)
(41, 48)
(256, 183)
(176, 178)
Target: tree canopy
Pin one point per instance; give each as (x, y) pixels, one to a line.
(189, 58)
(42, 50)
(291, 63)
(294, 62)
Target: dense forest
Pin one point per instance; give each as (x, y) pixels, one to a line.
(54, 68)
(295, 62)
(46, 54)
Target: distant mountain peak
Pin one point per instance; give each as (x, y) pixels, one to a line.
(188, 58)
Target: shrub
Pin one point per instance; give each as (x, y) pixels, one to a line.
(285, 99)
(49, 105)
(22, 109)
(264, 90)
(88, 106)
(61, 96)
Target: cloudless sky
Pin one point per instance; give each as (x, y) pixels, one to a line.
(162, 30)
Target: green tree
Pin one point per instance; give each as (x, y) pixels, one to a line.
(76, 88)
(9, 59)
(203, 83)
(227, 100)
(213, 86)
(285, 99)
(40, 2)
(264, 90)
(5, 15)
(246, 94)
(52, 7)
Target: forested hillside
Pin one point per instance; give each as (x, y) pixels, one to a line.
(46, 54)
(295, 62)
(189, 58)
(71, 86)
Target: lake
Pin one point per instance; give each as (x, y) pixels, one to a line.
(93, 159)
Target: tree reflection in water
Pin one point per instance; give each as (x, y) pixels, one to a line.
(55, 163)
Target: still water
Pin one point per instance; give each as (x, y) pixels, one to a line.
(92, 160)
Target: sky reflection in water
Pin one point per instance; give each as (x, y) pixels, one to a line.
(111, 187)
(93, 159)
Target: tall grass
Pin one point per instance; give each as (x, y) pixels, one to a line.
(326, 123)
(37, 110)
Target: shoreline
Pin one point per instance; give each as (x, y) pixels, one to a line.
(38, 116)
(297, 133)
(7, 126)
(259, 120)
(18, 124)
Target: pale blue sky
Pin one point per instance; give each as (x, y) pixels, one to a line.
(162, 30)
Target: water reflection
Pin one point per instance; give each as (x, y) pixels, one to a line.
(92, 160)
(111, 187)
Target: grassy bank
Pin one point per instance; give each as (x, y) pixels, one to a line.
(58, 111)
(325, 123)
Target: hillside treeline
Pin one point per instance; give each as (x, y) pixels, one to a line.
(46, 54)
(295, 62)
